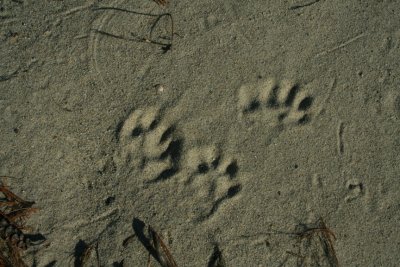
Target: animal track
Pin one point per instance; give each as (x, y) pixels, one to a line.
(150, 144)
(355, 190)
(211, 179)
(281, 103)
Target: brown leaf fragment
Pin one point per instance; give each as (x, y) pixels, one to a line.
(10, 255)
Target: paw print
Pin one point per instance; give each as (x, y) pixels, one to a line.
(280, 103)
(355, 190)
(148, 143)
(212, 180)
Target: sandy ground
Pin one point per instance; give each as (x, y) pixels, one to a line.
(262, 116)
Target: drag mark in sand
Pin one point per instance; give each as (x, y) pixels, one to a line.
(99, 30)
(303, 5)
(340, 46)
(340, 144)
(94, 40)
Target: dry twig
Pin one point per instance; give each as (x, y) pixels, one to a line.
(166, 46)
(163, 254)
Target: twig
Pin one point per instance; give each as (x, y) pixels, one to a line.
(351, 40)
(165, 46)
(163, 254)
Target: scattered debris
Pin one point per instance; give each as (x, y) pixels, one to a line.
(13, 213)
(316, 246)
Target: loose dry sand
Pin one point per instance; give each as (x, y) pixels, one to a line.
(262, 117)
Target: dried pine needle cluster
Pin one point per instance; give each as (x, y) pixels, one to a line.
(13, 213)
(315, 243)
(316, 246)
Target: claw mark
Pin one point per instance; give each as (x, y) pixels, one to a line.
(94, 43)
(232, 191)
(76, 9)
(282, 103)
(325, 102)
(351, 40)
(6, 77)
(304, 5)
(340, 138)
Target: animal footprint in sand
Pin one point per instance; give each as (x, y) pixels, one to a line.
(355, 190)
(149, 144)
(212, 180)
(280, 103)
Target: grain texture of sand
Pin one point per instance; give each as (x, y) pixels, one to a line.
(229, 132)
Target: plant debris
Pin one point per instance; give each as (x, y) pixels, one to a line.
(161, 2)
(163, 255)
(164, 42)
(316, 246)
(13, 213)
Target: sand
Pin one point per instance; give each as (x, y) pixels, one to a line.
(261, 117)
